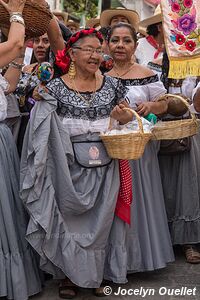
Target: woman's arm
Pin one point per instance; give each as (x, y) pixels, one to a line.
(55, 36)
(13, 73)
(11, 49)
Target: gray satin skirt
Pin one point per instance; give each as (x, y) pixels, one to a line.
(145, 245)
(181, 185)
(19, 274)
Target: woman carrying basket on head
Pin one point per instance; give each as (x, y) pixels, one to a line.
(68, 183)
(44, 50)
(18, 266)
(148, 244)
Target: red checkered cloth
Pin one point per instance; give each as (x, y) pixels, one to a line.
(124, 200)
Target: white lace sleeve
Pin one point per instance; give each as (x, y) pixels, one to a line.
(4, 86)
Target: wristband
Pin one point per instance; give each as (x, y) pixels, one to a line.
(18, 19)
(15, 13)
(16, 65)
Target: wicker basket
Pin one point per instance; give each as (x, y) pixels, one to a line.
(36, 15)
(127, 146)
(176, 129)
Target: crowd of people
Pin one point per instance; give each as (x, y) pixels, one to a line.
(66, 207)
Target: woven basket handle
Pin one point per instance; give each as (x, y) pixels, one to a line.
(163, 97)
(141, 130)
(180, 98)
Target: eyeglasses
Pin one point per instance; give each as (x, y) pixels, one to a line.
(90, 51)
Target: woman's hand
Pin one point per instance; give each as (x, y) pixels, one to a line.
(14, 5)
(36, 96)
(123, 116)
(143, 109)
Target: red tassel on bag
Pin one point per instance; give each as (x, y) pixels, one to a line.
(124, 200)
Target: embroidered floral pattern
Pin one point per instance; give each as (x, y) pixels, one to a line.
(71, 106)
(185, 32)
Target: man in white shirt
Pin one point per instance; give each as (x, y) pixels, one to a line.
(150, 48)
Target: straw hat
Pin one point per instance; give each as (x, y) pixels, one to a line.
(62, 14)
(142, 31)
(93, 22)
(131, 15)
(73, 23)
(156, 18)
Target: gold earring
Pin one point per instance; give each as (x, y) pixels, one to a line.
(72, 70)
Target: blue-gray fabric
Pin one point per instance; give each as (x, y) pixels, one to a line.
(71, 208)
(181, 185)
(19, 273)
(145, 245)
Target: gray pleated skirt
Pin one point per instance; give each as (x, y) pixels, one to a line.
(19, 274)
(181, 185)
(146, 244)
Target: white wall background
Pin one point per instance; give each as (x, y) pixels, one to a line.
(140, 6)
(54, 4)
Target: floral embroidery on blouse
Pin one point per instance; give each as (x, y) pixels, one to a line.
(70, 105)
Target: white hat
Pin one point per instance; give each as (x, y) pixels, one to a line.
(156, 18)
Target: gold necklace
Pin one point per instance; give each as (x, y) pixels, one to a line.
(92, 96)
(126, 72)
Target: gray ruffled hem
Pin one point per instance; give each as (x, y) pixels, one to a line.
(18, 279)
(57, 250)
(184, 231)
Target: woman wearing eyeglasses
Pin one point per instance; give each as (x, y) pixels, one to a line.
(69, 184)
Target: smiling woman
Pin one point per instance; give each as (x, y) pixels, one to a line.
(84, 184)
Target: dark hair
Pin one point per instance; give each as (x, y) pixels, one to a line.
(105, 31)
(153, 29)
(128, 26)
(165, 71)
(66, 32)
